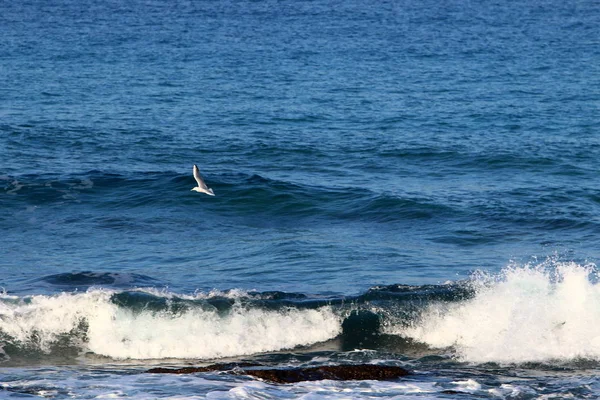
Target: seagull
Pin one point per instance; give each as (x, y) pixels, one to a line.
(201, 188)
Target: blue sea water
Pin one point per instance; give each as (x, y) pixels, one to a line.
(433, 164)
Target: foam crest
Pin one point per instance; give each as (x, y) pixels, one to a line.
(529, 313)
(37, 322)
(90, 320)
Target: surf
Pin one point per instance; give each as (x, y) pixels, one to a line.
(97, 322)
(531, 313)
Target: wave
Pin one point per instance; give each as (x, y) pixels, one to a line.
(237, 194)
(531, 313)
(113, 319)
(83, 279)
(145, 325)
(260, 200)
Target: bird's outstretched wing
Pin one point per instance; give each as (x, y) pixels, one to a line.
(199, 179)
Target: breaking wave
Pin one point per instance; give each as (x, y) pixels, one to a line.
(532, 313)
(133, 326)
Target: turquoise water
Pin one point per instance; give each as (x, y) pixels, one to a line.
(430, 164)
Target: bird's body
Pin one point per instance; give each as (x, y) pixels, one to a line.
(201, 188)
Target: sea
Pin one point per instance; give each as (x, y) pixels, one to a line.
(411, 183)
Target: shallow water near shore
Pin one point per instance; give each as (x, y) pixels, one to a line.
(408, 184)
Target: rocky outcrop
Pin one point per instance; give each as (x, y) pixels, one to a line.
(333, 372)
(291, 375)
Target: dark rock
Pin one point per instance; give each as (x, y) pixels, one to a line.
(185, 370)
(291, 375)
(333, 372)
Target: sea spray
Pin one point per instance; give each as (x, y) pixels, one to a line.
(92, 321)
(38, 322)
(528, 313)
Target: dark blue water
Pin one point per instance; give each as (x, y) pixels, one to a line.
(431, 164)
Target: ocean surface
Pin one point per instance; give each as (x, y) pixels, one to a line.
(408, 183)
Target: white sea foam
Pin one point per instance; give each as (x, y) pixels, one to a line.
(122, 333)
(528, 313)
(330, 389)
(84, 184)
(233, 294)
(16, 187)
(469, 385)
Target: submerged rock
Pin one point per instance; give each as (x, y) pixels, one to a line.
(291, 375)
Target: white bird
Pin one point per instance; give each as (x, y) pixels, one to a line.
(201, 188)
